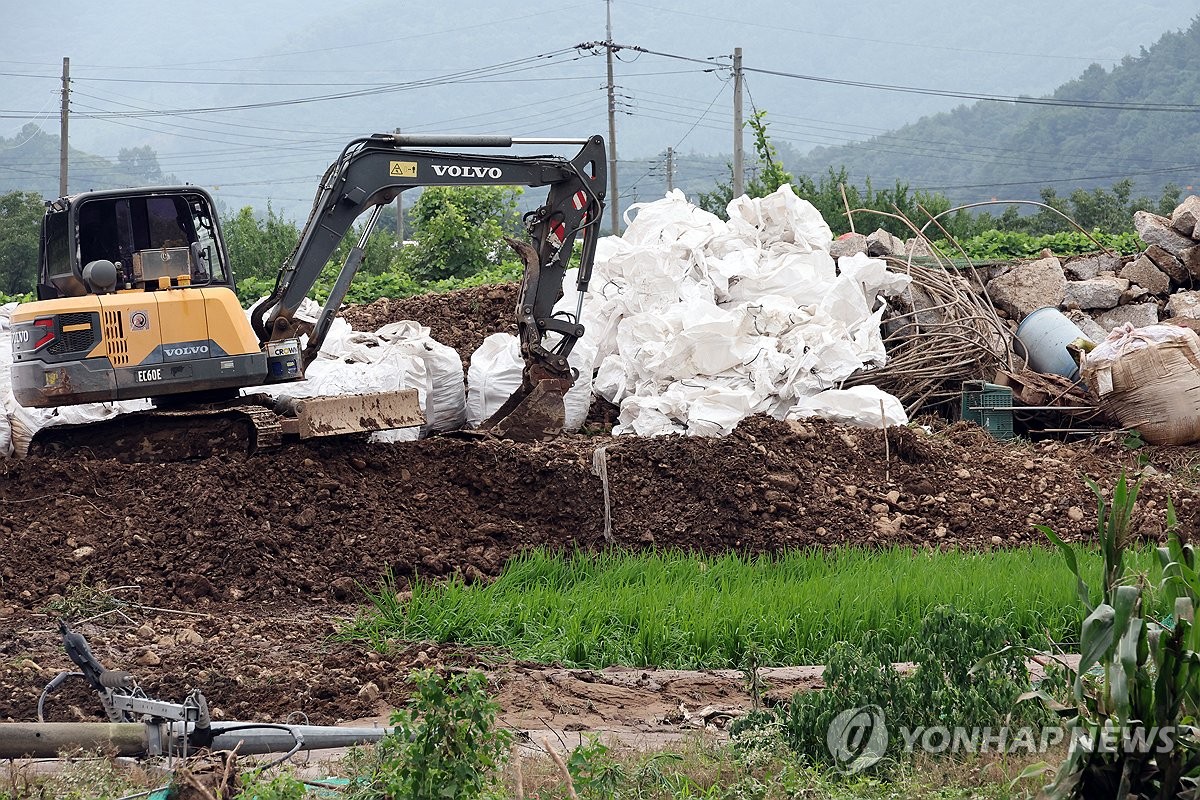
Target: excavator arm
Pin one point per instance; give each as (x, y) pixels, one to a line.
(372, 171)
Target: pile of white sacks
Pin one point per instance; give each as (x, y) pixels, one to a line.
(692, 324)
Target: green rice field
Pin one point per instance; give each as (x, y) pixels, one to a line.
(680, 610)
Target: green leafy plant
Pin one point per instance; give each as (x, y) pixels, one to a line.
(595, 774)
(283, 786)
(1137, 688)
(444, 745)
(967, 675)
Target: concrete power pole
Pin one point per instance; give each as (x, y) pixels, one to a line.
(62, 128)
(613, 195)
(739, 165)
(670, 168)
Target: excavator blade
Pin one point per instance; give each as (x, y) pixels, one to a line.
(353, 413)
(532, 413)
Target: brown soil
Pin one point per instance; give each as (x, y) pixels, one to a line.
(272, 549)
(461, 319)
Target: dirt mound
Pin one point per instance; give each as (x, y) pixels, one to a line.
(461, 319)
(314, 520)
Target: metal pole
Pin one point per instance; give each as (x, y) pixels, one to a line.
(670, 168)
(399, 214)
(62, 128)
(615, 201)
(739, 165)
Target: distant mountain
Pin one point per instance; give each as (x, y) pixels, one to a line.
(994, 149)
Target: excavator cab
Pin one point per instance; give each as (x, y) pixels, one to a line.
(130, 240)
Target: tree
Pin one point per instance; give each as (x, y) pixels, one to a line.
(460, 231)
(20, 226)
(257, 247)
(141, 164)
(767, 175)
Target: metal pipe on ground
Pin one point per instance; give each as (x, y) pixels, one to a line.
(138, 739)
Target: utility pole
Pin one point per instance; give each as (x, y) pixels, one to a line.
(399, 215)
(614, 195)
(62, 127)
(739, 165)
(670, 168)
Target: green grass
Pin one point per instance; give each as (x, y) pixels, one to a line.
(680, 610)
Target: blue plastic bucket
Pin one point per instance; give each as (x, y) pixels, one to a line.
(1042, 339)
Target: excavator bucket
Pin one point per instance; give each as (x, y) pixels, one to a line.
(534, 412)
(353, 413)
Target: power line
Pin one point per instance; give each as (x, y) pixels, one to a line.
(1047, 101)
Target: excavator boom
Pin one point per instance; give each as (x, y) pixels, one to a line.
(371, 172)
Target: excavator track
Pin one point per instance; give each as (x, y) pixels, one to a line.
(164, 435)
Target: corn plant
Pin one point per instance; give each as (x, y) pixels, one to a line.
(1138, 681)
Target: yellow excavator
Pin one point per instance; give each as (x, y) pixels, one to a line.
(135, 300)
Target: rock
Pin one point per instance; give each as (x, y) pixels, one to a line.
(369, 692)
(1095, 293)
(1093, 332)
(882, 243)
(148, 658)
(1087, 267)
(646, 538)
(189, 636)
(1075, 514)
(1157, 230)
(305, 519)
(1171, 265)
(343, 588)
(146, 632)
(1184, 322)
(1140, 314)
(80, 553)
(848, 245)
(1186, 215)
(1184, 304)
(917, 247)
(1143, 272)
(1134, 294)
(1191, 260)
(1028, 287)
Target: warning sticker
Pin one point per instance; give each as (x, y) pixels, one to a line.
(403, 169)
(139, 321)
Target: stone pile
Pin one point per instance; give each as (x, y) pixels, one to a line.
(1097, 292)
(1102, 292)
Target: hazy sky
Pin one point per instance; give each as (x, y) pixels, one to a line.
(474, 67)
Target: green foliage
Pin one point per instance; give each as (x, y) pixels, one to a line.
(1137, 676)
(395, 284)
(949, 687)
(460, 231)
(981, 150)
(682, 610)
(20, 226)
(283, 786)
(444, 745)
(825, 193)
(595, 774)
(258, 246)
(997, 245)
